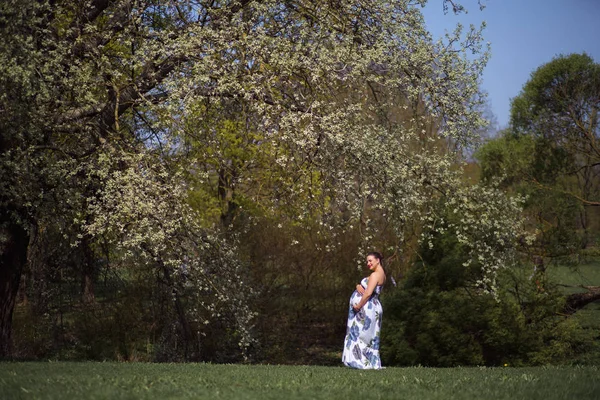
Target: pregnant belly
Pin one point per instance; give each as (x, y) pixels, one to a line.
(355, 298)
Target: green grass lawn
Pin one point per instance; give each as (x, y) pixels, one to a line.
(586, 274)
(87, 380)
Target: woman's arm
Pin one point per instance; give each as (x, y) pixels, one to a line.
(373, 280)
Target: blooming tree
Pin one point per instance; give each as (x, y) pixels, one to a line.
(96, 102)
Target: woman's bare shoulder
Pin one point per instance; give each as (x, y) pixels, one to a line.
(378, 276)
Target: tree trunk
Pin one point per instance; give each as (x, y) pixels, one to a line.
(87, 274)
(226, 192)
(190, 345)
(37, 269)
(13, 256)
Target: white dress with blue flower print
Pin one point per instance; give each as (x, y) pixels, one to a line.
(361, 348)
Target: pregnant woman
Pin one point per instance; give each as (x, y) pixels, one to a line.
(361, 349)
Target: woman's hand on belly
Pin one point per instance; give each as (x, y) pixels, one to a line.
(360, 289)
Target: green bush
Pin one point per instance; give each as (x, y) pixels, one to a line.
(439, 318)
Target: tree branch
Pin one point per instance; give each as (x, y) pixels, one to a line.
(551, 189)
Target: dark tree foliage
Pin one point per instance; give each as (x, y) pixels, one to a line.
(437, 318)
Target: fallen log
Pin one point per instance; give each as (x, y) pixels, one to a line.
(577, 301)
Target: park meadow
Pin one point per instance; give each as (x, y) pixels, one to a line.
(109, 380)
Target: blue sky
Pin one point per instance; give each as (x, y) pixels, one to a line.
(524, 34)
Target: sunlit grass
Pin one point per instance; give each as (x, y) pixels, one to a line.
(60, 380)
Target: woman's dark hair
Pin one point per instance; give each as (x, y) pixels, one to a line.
(377, 256)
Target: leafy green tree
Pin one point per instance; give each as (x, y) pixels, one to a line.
(559, 108)
(520, 160)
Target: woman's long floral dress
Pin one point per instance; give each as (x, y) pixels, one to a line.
(361, 349)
